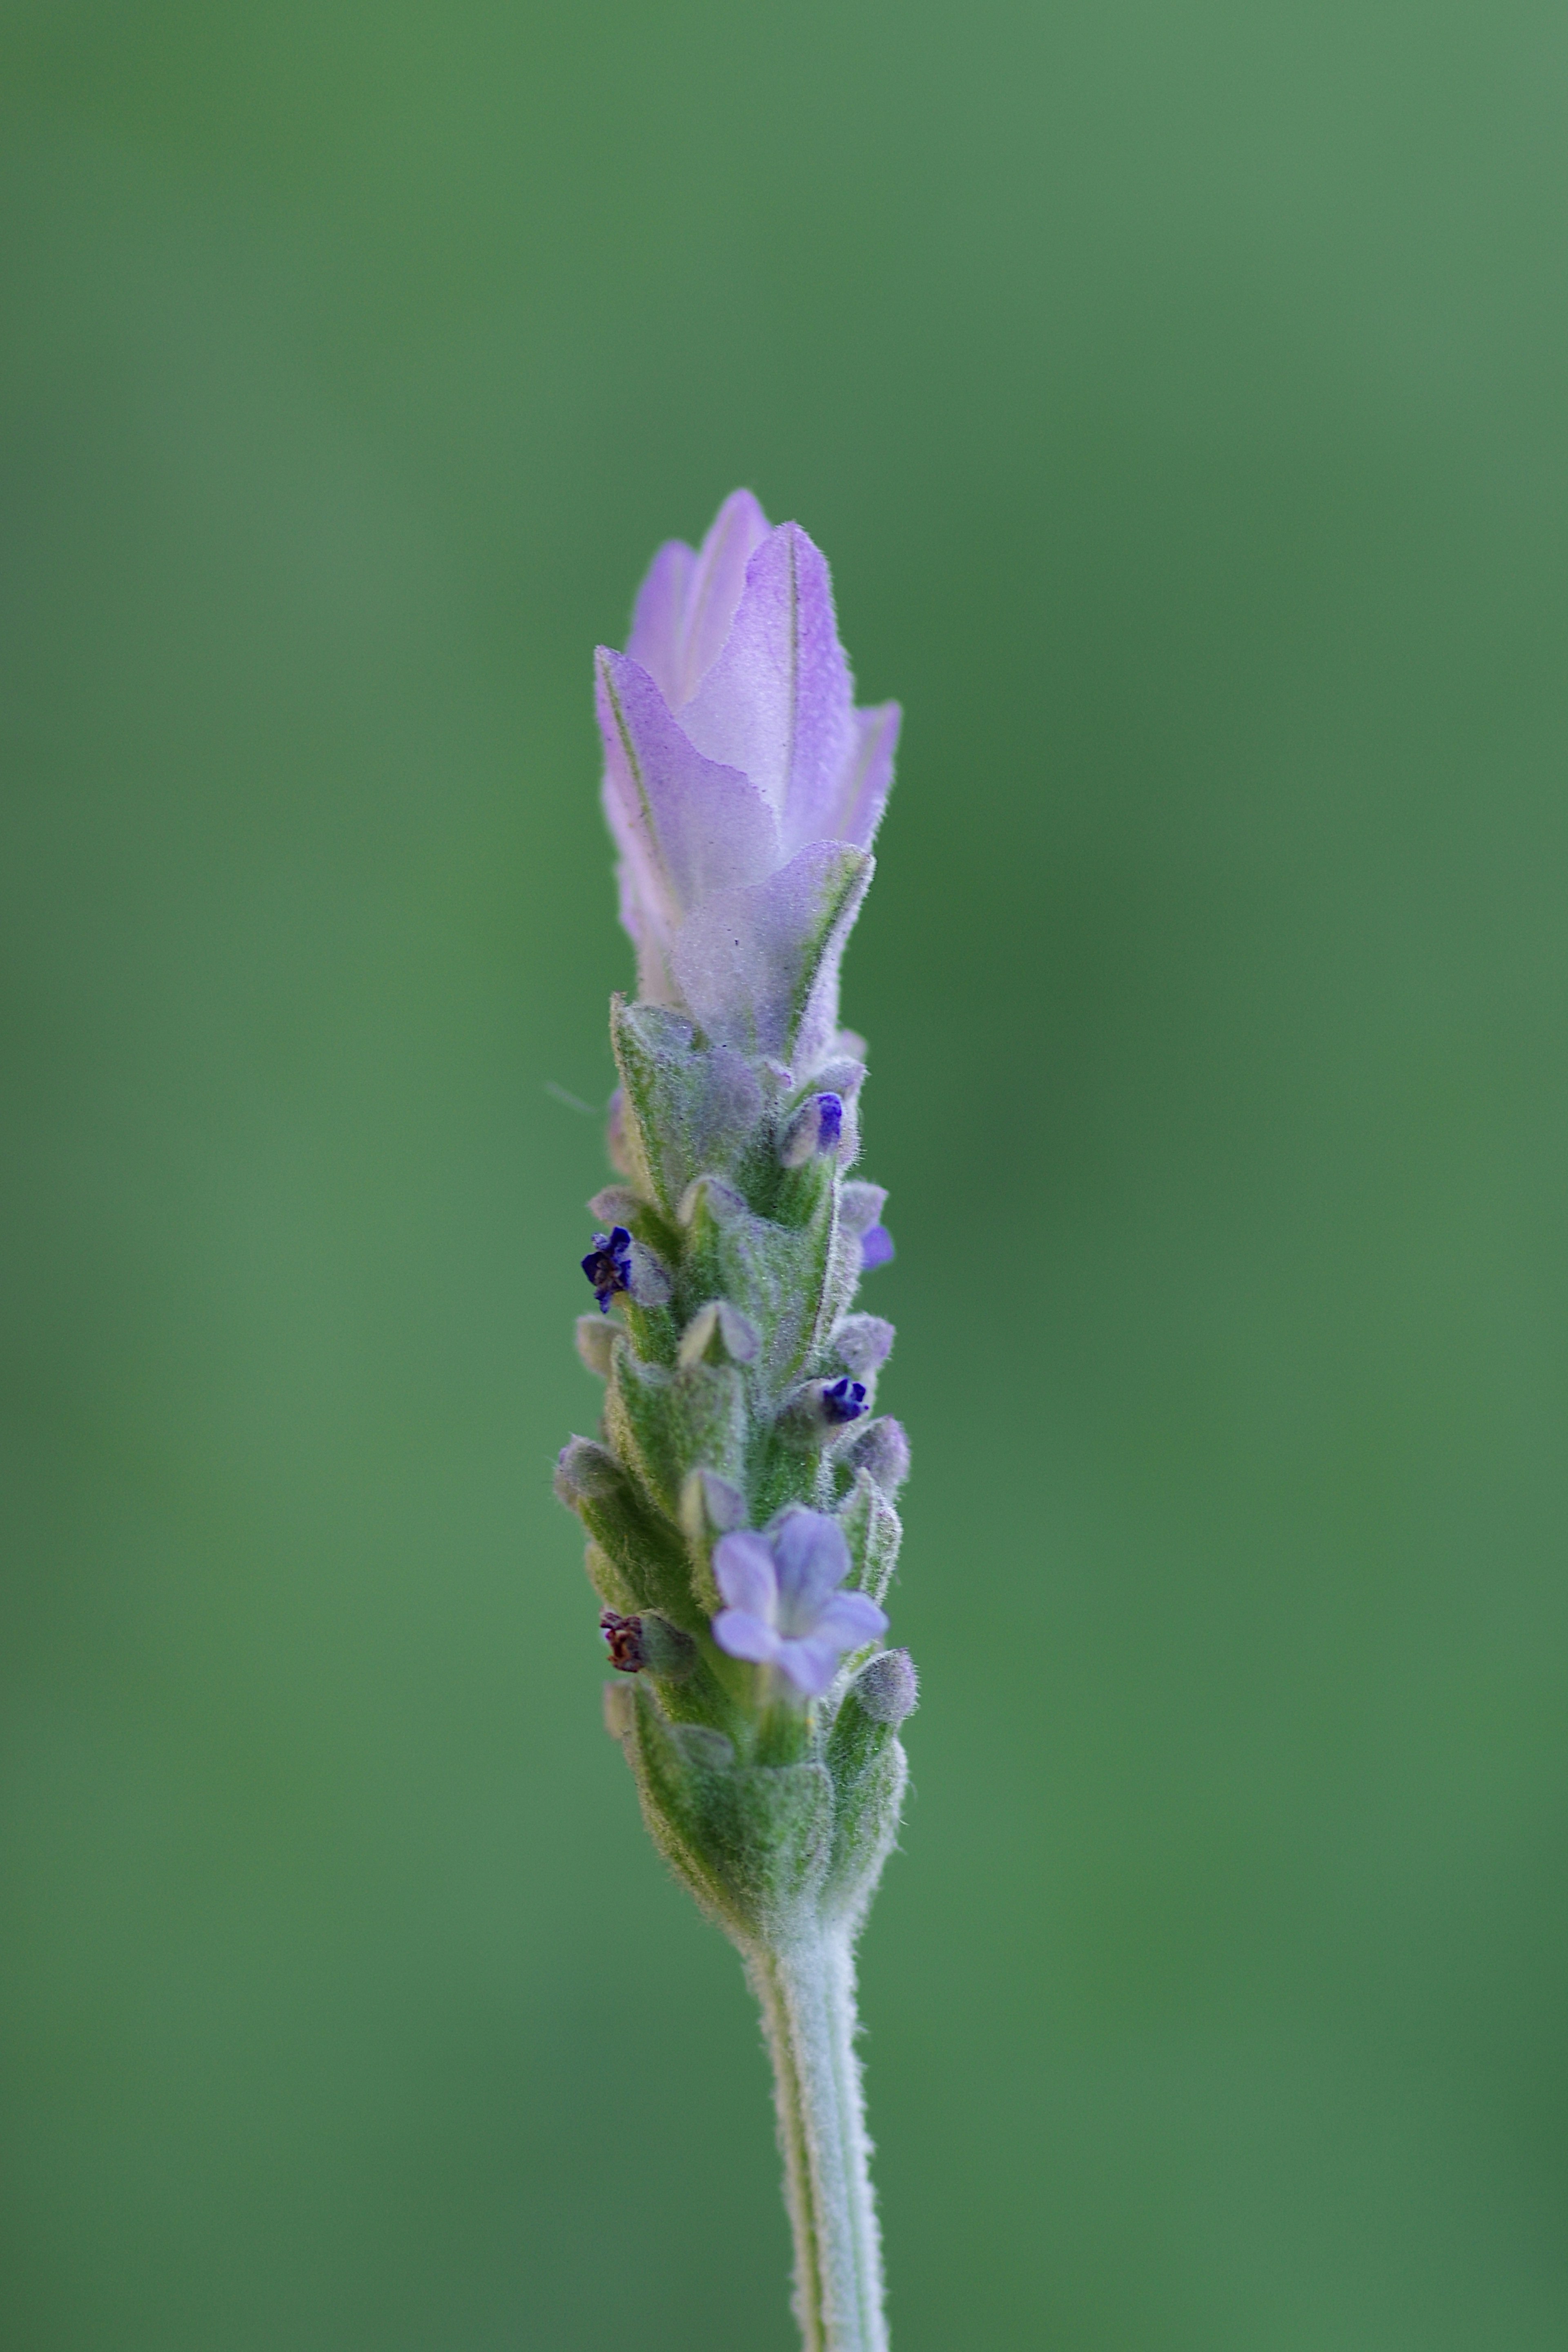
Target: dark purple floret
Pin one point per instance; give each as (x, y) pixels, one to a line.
(829, 1121)
(844, 1401)
(609, 1265)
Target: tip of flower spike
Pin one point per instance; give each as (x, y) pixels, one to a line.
(844, 1401)
(609, 1265)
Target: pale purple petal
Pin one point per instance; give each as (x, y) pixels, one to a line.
(687, 605)
(864, 785)
(778, 701)
(758, 968)
(876, 1248)
(691, 829)
(850, 1619)
(811, 1559)
(741, 1635)
(810, 1665)
(743, 1569)
(659, 613)
(648, 928)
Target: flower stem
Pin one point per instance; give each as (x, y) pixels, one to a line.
(806, 1987)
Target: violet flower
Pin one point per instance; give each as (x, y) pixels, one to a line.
(609, 1265)
(742, 786)
(785, 1608)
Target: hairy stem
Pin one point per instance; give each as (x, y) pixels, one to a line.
(806, 1987)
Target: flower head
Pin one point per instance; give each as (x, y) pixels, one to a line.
(742, 784)
(784, 1605)
(609, 1265)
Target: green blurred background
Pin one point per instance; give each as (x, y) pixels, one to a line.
(1179, 394)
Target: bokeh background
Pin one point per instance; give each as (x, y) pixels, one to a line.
(1179, 393)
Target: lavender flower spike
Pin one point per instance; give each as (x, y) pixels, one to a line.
(742, 786)
(738, 1496)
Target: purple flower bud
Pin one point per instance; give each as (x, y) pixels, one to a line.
(817, 1127)
(882, 1449)
(595, 1343)
(876, 1247)
(864, 1342)
(784, 1606)
(860, 1207)
(735, 1332)
(585, 1472)
(742, 785)
(844, 1401)
(887, 1687)
(609, 1265)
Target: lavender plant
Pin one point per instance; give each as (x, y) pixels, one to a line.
(739, 1499)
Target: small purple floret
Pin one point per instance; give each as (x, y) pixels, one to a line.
(876, 1247)
(844, 1401)
(829, 1121)
(784, 1607)
(609, 1265)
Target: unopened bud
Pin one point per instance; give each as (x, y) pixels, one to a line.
(585, 1469)
(735, 1333)
(595, 1343)
(843, 1074)
(882, 1449)
(710, 1505)
(816, 1128)
(647, 1281)
(616, 1204)
(887, 1687)
(864, 1342)
(720, 1200)
(876, 1247)
(860, 1206)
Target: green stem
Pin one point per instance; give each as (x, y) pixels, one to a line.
(806, 1987)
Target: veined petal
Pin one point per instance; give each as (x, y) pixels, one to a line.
(864, 785)
(742, 1636)
(778, 702)
(743, 1572)
(758, 968)
(690, 829)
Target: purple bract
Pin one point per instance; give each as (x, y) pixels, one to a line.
(742, 786)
